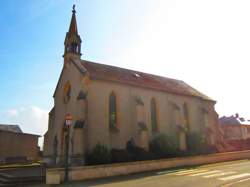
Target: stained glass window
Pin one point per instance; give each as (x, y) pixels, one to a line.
(153, 116)
(67, 92)
(112, 110)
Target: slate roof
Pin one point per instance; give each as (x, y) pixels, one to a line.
(135, 78)
(10, 128)
(233, 120)
(14, 129)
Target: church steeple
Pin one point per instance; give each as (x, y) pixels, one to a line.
(73, 40)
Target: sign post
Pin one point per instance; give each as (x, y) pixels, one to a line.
(68, 122)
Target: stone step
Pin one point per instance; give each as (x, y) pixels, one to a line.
(21, 180)
(3, 180)
(17, 177)
(5, 175)
(8, 185)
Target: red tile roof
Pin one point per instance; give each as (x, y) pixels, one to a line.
(135, 78)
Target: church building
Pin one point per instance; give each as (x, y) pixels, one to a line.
(112, 105)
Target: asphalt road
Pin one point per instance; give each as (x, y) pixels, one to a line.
(236, 173)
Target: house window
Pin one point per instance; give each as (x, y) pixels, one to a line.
(112, 111)
(153, 116)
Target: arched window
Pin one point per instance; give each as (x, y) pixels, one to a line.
(154, 124)
(74, 47)
(186, 115)
(112, 111)
(205, 118)
(55, 143)
(67, 92)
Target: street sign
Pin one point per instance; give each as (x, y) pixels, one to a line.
(68, 119)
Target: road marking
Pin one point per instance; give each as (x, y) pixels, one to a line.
(236, 182)
(219, 174)
(190, 171)
(235, 176)
(228, 163)
(204, 173)
(170, 171)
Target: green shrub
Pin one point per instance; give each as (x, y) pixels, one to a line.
(163, 146)
(138, 153)
(196, 143)
(99, 155)
(121, 155)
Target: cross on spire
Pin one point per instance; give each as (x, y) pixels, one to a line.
(73, 24)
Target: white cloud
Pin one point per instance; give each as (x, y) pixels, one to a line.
(31, 119)
(12, 112)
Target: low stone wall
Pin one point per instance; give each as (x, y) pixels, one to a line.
(56, 175)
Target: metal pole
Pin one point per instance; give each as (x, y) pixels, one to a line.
(67, 155)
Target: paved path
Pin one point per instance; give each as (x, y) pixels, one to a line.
(236, 173)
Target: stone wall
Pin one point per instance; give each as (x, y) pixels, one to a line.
(56, 175)
(169, 112)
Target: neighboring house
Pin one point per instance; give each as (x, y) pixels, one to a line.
(235, 127)
(16, 146)
(112, 105)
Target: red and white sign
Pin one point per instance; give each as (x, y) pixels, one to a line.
(68, 119)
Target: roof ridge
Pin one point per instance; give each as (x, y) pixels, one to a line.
(112, 66)
(9, 124)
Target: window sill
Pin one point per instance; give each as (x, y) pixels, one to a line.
(155, 131)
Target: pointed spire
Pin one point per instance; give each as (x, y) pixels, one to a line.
(73, 40)
(73, 24)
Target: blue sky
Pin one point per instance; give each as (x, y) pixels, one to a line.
(32, 47)
(33, 36)
(205, 43)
